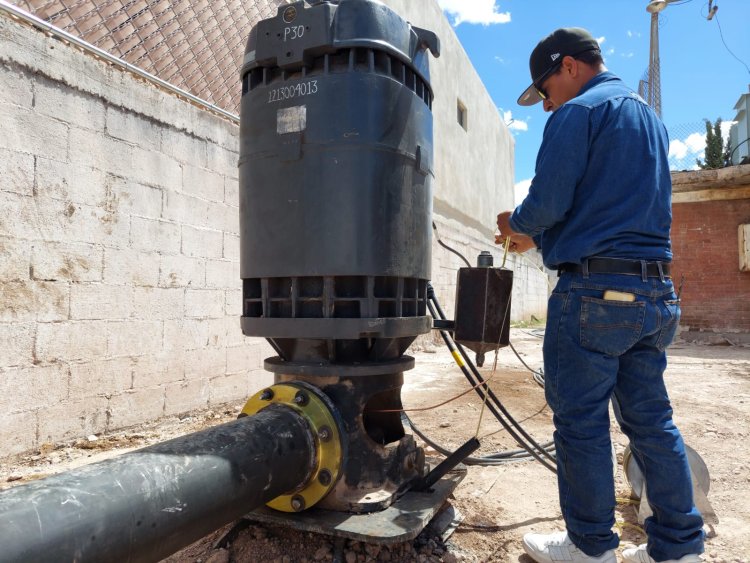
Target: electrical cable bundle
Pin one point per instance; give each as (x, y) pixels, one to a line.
(530, 448)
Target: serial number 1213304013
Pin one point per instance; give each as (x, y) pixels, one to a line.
(295, 91)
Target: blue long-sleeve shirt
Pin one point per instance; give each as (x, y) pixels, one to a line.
(602, 185)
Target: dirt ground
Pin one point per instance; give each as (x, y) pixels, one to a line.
(710, 391)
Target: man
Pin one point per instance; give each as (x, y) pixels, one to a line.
(599, 208)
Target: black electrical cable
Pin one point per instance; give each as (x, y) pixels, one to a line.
(478, 379)
(538, 375)
(731, 154)
(448, 248)
(533, 448)
(499, 458)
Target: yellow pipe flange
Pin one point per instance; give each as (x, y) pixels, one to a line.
(309, 402)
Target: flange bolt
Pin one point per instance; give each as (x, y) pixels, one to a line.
(324, 433)
(324, 477)
(298, 503)
(266, 395)
(301, 398)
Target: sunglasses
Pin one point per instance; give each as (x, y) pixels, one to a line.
(550, 71)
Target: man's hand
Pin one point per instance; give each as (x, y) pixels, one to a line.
(518, 242)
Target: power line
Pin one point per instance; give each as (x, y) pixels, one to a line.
(716, 17)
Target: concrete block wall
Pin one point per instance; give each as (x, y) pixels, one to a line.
(119, 250)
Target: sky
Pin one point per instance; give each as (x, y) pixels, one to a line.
(705, 64)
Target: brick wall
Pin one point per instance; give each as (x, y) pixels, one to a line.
(716, 294)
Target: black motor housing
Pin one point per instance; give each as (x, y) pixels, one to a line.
(336, 171)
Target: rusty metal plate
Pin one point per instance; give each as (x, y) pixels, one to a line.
(400, 522)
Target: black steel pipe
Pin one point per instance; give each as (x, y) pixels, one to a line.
(148, 504)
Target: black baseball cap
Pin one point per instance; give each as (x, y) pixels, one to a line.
(548, 54)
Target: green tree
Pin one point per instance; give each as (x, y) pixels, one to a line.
(715, 153)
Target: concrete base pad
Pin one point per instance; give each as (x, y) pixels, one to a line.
(400, 522)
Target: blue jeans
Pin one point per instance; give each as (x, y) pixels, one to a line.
(594, 348)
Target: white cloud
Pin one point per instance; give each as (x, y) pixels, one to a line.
(627, 55)
(601, 40)
(611, 51)
(474, 11)
(634, 34)
(500, 60)
(683, 153)
(696, 142)
(512, 123)
(520, 190)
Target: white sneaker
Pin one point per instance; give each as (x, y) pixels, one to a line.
(640, 555)
(551, 548)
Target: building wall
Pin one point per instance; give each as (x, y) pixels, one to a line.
(708, 207)
(119, 281)
(119, 249)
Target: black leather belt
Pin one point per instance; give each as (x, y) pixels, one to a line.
(641, 268)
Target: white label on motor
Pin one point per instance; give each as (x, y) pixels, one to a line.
(291, 120)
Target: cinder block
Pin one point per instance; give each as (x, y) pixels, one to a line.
(158, 303)
(17, 86)
(134, 338)
(73, 419)
(17, 344)
(60, 101)
(17, 432)
(223, 160)
(133, 128)
(96, 150)
(27, 388)
(230, 389)
(150, 234)
(29, 132)
(231, 249)
(186, 396)
(135, 406)
(202, 183)
(226, 332)
(55, 261)
(232, 191)
(185, 334)
(185, 209)
(16, 171)
(64, 221)
(126, 266)
(155, 169)
(158, 369)
(244, 359)
(182, 271)
(18, 217)
(233, 302)
(15, 259)
(202, 243)
(71, 182)
(207, 362)
(101, 378)
(183, 147)
(204, 303)
(223, 217)
(136, 199)
(34, 301)
(223, 274)
(66, 341)
(100, 301)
